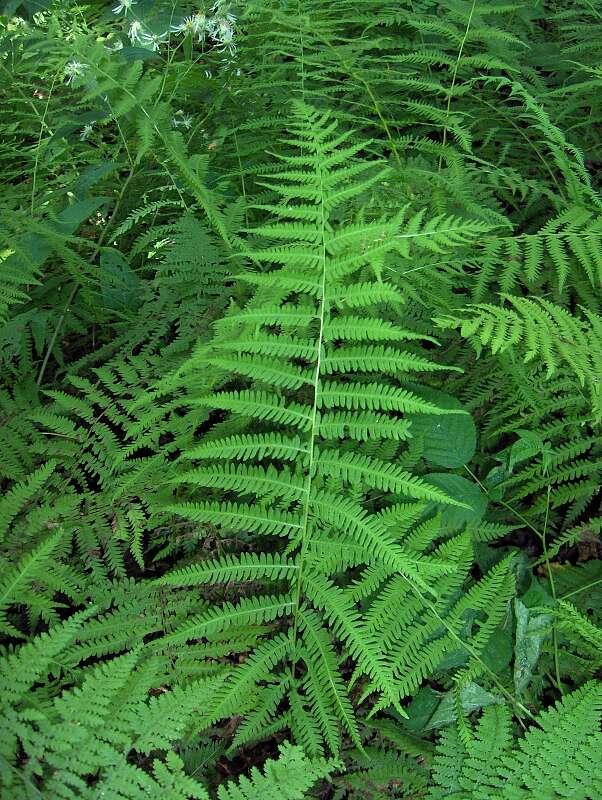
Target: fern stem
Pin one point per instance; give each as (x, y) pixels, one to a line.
(454, 76)
(375, 104)
(314, 426)
(553, 590)
(522, 133)
(581, 589)
(42, 125)
(242, 178)
(312, 434)
(30, 102)
(508, 695)
(55, 333)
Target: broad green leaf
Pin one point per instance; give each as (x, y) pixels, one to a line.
(120, 287)
(532, 628)
(430, 709)
(464, 491)
(449, 440)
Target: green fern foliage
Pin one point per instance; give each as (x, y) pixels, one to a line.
(567, 735)
(538, 330)
(300, 454)
(304, 357)
(290, 777)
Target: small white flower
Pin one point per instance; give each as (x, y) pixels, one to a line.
(87, 130)
(181, 119)
(74, 69)
(123, 6)
(183, 27)
(135, 32)
(200, 23)
(195, 24)
(225, 32)
(153, 40)
(218, 10)
(222, 32)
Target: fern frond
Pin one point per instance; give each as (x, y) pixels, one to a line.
(538, 329)
(246, 567)
(249, 611)
(290, 777)
(567, 735)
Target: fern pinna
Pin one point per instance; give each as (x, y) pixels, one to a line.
(325, 379)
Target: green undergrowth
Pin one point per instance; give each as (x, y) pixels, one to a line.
(300, 400)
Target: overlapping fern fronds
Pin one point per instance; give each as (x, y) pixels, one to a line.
(227, 377)
(306, 347)
(567, 736)
(538, 330)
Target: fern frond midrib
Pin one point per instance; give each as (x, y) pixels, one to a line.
(315, 419)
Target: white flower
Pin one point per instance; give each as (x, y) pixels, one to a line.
(218, 10)
(183, 27)
(74, 69)
(153, 40)
(223, 33)
(181, 119)
(87, 130)
(124, 6)
(195, 24)
(200, 23)
(135, 32)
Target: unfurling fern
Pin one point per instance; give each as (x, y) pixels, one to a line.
(305, 350)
